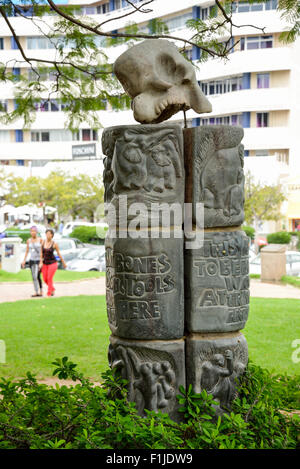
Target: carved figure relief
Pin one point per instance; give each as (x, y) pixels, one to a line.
(146, 160)
(151, 383)
(160, 81)
(218, 177)
(216, 365)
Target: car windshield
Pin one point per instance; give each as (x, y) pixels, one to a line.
(91, 254)
(64, 244)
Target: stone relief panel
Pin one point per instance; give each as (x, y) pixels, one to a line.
(217, 283)
(144, 293)
(144, 162)
(216, 177)
(154, 371)
(215, 363)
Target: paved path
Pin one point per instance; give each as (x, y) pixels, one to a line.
(273, 290)
(23, 291)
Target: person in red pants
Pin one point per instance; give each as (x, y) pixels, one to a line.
(48, 262)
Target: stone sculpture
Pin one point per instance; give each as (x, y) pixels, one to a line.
(160, 81)
(175, 314)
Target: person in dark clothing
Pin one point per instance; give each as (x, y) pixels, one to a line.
(48, 262)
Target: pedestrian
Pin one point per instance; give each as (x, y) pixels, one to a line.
(48, 261)
(34, 247)
(61, 227)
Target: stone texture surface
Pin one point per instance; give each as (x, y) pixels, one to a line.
(217, 283)
(214, 363)
(160, 81)
(214, 160)
(144, 288)
(154, 369)
(144, 163)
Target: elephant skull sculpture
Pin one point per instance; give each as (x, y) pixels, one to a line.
(160, 81)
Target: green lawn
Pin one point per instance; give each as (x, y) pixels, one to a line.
(60, 276)
(38, 332)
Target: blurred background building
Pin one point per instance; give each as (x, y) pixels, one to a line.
(257, 88)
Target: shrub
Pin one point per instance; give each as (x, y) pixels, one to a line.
(85, 416)
(281, 237)
(249, 231)
(23, 234)
(89, 234)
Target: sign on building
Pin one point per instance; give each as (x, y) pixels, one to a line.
(83, 151)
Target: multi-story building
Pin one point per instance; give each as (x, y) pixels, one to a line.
(256, 88)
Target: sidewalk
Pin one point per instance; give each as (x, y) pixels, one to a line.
(23, 291)
(15, 291)
(273, 290)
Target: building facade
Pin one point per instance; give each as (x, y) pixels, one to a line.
(256, 88)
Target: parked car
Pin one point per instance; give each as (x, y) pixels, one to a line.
(71, 255)
(69, 244)
(292, 264)
(92, 259)
(70, 226)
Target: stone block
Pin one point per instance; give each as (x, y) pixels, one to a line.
(214, 160)
(214, 363)
(145, 164)
(154, 371)
(144, 288)
(217, 283)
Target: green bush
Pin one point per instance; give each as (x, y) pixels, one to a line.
(250, 231)
(281, 237)
(89, 234)
(23, 234)
(85, 416)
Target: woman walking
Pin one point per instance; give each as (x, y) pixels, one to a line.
(34, 248)
(48, 262)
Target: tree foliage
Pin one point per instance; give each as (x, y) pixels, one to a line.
(262, 202)
(74, 195)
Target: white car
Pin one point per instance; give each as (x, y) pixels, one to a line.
(67, 230)
(92, 259)
(292, 264)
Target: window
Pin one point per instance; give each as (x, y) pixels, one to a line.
(3, 105)
(86, 135)
(234, 119)
(262, 119)
(225, 85)
(4, 136)
(263, 80)
(19, 135)
(1, 43)
(42, 42)
(256, 42)
(20, 162)
(14, 44)
(178, 22)
(103, 8)
(40, 136)
(118, 4)
(245, 7)
(16, 72)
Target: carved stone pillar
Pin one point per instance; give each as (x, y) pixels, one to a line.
(217, 274)
(144, 168)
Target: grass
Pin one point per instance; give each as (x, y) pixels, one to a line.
(60, 276)
(36, 333)
(295, 281)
